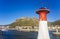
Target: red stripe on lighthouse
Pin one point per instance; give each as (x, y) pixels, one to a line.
(42, 16)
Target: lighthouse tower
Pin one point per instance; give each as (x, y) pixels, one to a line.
(43, 32)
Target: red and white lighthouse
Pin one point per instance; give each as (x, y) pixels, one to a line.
(43, 32)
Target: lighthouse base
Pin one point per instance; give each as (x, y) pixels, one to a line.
(43, 32)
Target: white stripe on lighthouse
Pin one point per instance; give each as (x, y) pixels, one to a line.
(43, 32)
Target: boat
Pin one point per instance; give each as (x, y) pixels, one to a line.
(4, 30)
(57, 33)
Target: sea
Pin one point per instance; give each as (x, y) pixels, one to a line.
(11, 34)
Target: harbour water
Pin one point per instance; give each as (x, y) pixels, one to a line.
(23, 35)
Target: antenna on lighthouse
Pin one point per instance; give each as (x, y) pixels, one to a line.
(45, 4)
(40, 4)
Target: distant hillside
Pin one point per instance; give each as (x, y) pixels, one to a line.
(26, 21)
(57, 22)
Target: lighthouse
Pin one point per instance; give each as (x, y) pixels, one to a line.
(43, 32)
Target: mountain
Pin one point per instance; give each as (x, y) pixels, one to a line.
(25, 21)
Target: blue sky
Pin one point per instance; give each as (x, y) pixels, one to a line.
(10, 10)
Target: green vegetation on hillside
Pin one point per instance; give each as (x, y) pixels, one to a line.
(25, 21)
